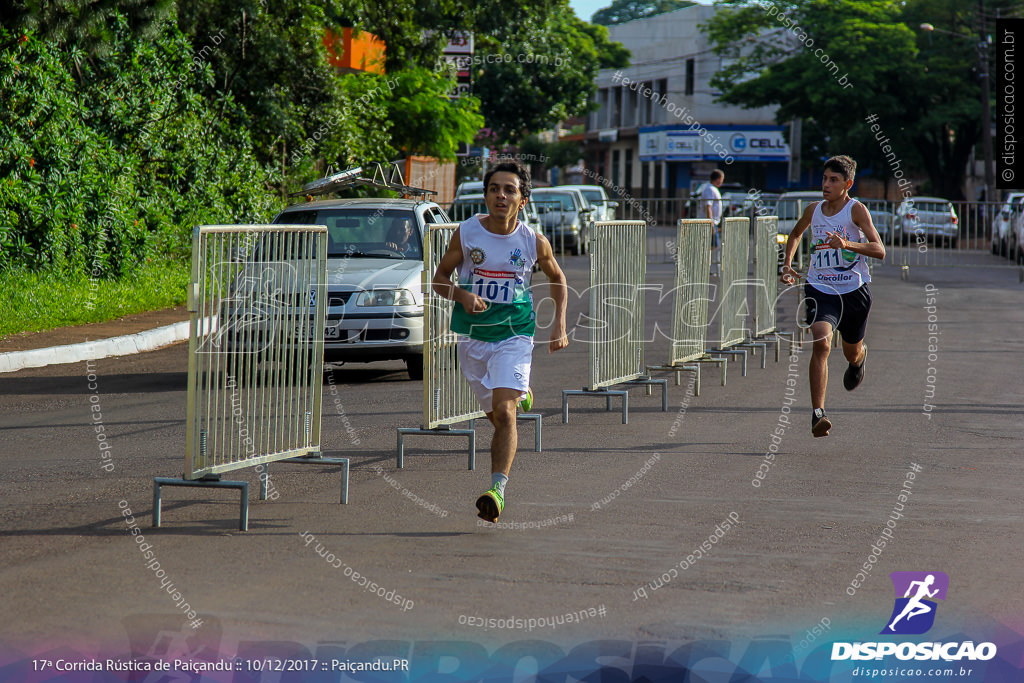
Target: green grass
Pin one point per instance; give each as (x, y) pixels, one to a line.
(35, 301)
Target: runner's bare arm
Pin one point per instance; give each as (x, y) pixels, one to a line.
(546, 260)
(789, 275)
(442, 283)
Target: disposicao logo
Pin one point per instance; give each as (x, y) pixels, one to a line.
(913, 613)
(916, 592)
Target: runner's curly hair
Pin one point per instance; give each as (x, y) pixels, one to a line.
(511, 166)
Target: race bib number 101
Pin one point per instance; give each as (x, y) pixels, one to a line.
(496, 286)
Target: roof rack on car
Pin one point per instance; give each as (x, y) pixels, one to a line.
(390, 179)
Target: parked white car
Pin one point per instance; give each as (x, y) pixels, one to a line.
(932, 218)
(1015, 249)
(1003, 231)
(565, 215)
(374, 276)
(470, 187)
(597, 197)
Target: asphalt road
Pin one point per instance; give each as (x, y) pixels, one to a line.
(611, 510)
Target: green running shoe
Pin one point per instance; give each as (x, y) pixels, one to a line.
(526, 404)
(490, 504)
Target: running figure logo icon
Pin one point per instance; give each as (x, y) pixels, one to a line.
(914, 611)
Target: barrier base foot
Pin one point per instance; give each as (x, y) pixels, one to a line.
(444, 430)
(735, 352)
(775, 337)
(754, 344)
(209, 481)
(606, 393)
(677, 370)
(313, 459)
(649, 383)
(537, 422)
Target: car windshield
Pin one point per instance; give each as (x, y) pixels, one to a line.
(558, 201)
(593, 196)
(365, 231)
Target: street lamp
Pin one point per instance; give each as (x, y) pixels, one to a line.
(986, 112)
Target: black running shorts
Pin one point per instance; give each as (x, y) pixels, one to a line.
(847, 313)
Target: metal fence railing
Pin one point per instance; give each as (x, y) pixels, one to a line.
(447, 396)
(732, 309)
(618, 271)
(691, 285)
(914, 233)
(934, 232)
(765, 284)
(766, 278)
(731, 299)
(255, 367)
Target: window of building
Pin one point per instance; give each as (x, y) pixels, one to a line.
(628, 171)
(689, 76)
(660, 113)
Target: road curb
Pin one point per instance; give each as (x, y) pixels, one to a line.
(128, 344)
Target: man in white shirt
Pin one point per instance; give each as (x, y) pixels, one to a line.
(711, 202)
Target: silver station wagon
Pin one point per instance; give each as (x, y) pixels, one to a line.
(374, 271)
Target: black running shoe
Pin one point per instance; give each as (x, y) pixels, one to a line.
(854, 374)
(820, 424)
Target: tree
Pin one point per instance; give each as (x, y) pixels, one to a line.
(621, 11)
(88, 25)
(543, 74)
(834, 64)
(112, 160)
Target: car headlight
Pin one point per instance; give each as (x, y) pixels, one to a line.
(781, 239)
(386, 297)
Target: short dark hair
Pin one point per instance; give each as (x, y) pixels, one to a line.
(510, 166)
(843, 165)
(716, 174)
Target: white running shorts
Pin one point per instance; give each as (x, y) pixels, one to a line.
(494, 365)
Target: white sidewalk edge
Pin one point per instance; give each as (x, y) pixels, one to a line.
(141, 342)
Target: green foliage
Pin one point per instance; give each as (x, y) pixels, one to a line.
(621, 11)
(542, 74)
(110, 161)
(924, 89)
(89, 25)
(424, 119)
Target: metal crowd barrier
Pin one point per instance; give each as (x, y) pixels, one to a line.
(732, 295)
(618, 271)
(765, 287)
(691, 286)
(255, 366)
(447, 396)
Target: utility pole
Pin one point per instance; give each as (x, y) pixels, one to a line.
(986, 111)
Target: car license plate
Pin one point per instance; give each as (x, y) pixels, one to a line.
(329, 332)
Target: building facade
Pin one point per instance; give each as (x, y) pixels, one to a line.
(658, 132)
